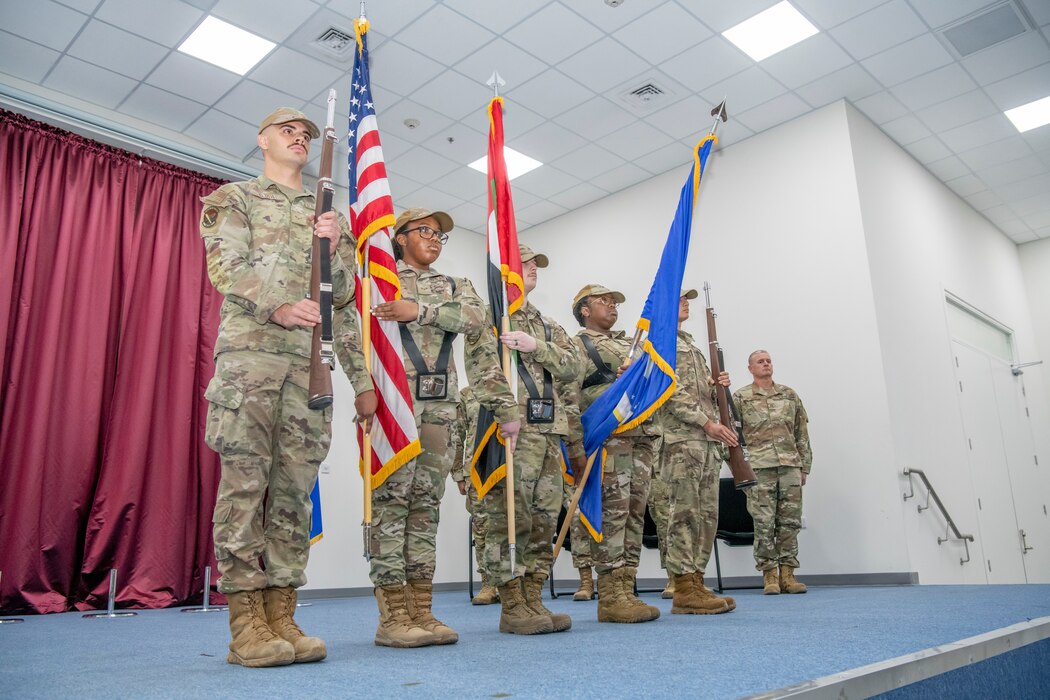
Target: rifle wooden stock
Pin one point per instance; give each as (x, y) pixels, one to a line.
(321, 354)
(743, 475)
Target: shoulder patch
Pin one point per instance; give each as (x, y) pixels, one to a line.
(209, 217)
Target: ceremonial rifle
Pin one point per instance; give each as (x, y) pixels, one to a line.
(743, 475)
(322, 358)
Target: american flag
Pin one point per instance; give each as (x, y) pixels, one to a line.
(395, 440)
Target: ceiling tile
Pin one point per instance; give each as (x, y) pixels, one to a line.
(1008, 58)
(547, 142)
(667, 158)
(115, 49)
(271, 19)
(588, 162)
(544, 181)
(1025, 237)
(748, 89)
(879, 29)
(852, 83)
(166, 23)
(595, 118)
(728, 134)
(603, 64)
(928, 150)
(984, 200)
(634, 140)
(1031, 205)
(497, 16)
(431, 124)
(89, 82)
(958, 111)
(550, 93)
(933, 87)
(388, 18)
(706, 63)
(24, 59)
(250, 101)
(85, 6)
(908, 60)
(906, 130)
(459, 37)
(985, 130)
(464, 183)
(42, 21)
(301, 75)
(153, 105)
(226, 133)
(578, 196)
(1032, 84)
(1015, 228)
(776, 111)
(467, 145)
(965, 185)
(454, 95)
(553, 34)
(684, 117)
(619, 178)
(425, 197)
(1040, 11)
(830, 13)
(881, 107)
(1037, 221)
(193, 78)
(400, 69)
(806, 61)
(992, 153)
(469, 216)
(516, 119)
(676, 28)
(948, 168)
(609, 19)
(939, 13)
(514, 65)
(1016, 189)
(721, 16)
(538, 213)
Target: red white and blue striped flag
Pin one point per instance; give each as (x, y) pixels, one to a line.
(395, 440)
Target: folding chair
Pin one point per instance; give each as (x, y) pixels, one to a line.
(735, 526)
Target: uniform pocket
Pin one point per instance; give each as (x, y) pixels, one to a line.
(224, 399)
(223, 509)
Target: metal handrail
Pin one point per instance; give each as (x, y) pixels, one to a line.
(930, 492)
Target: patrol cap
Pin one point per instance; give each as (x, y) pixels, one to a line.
(689, 294)
(528, 254)
(410, 215)
(283, 115)
(597, 290)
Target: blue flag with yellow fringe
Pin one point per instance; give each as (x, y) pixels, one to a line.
(316, 527)
(650, 380)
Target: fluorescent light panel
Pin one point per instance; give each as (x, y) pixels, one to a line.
(770, 31)
(1031, 115)
(517, 163)
(226, 46)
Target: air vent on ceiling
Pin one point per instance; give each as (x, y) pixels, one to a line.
(336, 42)
(989, 28)
(646, 97)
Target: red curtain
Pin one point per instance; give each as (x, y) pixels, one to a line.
(108, 320)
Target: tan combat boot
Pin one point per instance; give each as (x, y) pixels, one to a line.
(488, 594)
(396, 628)
(613, 605)
(280, 609)
(688, 600)
(420, 599)
(668, 592)
(586, 589)
(532, 587)
(706, 592)
(788, 582)
(252, 642)
(770, 582)
(627, 584)
(516, 616)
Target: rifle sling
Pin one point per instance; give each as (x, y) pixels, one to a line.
(603, 373)
(526, 378)
(416, 357)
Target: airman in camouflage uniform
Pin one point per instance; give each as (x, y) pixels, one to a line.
(628, 464)
(406, 507)
(541, 345)
(777, 435)
(258, 236)
(692, 459)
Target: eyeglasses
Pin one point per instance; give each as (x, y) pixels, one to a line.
(606, 301)
(428, 234)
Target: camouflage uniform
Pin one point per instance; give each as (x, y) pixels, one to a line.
(691, 463)
(469, 408)
(537, 460)
(406, 507)
(659, 498)
(629, 461)
(775, 428)
(258, 237)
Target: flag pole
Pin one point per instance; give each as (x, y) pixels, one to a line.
(571, 510)
(366, 343)
(509, 371)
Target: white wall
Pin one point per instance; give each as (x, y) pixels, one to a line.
(923, 241)
(1035, 264)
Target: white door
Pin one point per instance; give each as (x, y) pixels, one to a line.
(997, 523)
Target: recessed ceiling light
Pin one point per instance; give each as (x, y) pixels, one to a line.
(1031, 115)
(517, 163)
(770, 31)
(226, 46)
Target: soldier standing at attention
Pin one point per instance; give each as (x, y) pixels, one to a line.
(545, 355)
(628, 464)
(258, 236)
(433, 309)
(692, 459)
(777, 435)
